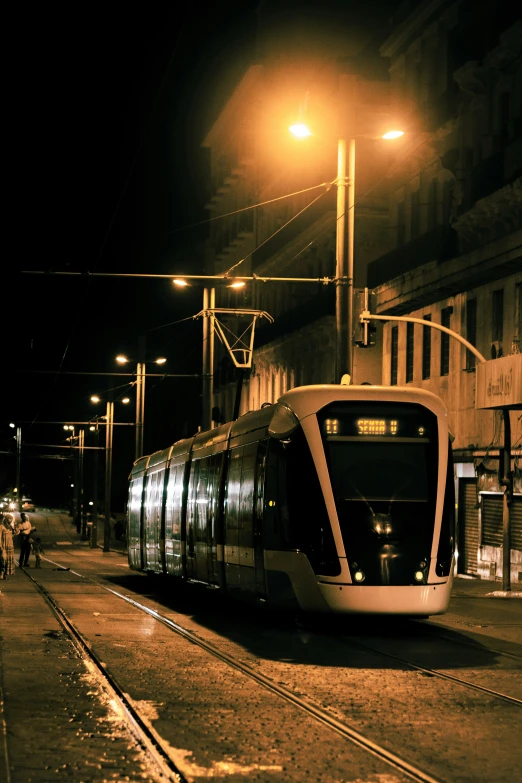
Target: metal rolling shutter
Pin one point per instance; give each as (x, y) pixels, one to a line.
(516, 523)
(492, 519)
(468, 527)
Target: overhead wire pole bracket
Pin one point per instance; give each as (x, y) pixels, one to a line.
(241, 346)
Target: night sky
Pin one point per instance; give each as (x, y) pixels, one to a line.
(107, 109)
(107, 113)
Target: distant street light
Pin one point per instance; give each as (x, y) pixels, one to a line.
(80, 439)
(207, 374)
(18, 438)
(344, 257)
(140, 393)
(109, 427)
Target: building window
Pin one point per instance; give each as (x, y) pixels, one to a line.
(505, 114)
(409, 352)
(445, 318)
(471, 332)
(517, 337)
(433, 205)
(426, 349)
(394, 354)
(415, 214)
(447, 201)
(401, 223)
(497, 323)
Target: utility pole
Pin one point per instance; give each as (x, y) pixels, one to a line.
(94, 518)
(19, 464)
(344, 256)
(140, 396)
(209, 302)
(108, 475)
(81, 508)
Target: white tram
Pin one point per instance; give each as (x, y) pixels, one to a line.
(334, 499)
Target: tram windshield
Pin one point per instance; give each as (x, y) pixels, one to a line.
(383, 463)
(380, 451)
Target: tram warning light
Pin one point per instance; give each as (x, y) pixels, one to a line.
(364, 330)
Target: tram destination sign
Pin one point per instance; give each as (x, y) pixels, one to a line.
(499, 383)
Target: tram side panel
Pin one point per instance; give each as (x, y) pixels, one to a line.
(175, 515)
(135, 513)
(154, 537)
(202, 505)
(243, 550)
(447, 533)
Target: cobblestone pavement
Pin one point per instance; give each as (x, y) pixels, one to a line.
(56, 724)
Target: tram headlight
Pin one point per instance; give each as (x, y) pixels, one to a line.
(419, 576)
(382, 524)
(359, 576)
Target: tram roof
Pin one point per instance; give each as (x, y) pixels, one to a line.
(306, 400)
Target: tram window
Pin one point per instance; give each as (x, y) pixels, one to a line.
(173, 507)
(204, 480)
(295, 511)
(276, 527)
(386, 453)
(246, 494)
(240, 495)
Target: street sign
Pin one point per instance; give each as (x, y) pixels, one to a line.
(499, 383)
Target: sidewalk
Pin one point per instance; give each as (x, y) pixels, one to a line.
(484, 588)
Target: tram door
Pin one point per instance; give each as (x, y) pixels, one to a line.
(259, 505)
(202, 505)
(468, 527)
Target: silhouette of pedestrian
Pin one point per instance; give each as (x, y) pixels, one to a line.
(6, 548)
(38, 551)
(24, 531)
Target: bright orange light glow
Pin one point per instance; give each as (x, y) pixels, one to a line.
(161, 360)
(237, 284)
(393, 134)
(126, 400)
(180, 282)
(121, 359)
(300, 130)
(95, 398)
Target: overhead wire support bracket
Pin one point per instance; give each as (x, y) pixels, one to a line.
(240, 346)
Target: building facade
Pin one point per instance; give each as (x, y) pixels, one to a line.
(438, 235)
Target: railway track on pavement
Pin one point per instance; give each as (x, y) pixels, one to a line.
(160, 752)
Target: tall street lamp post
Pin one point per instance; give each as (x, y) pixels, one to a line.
(78, 441)
(140, 392)
(94, 516)
(209, 302)
(345, 224)
(109, 427)
(207, 387)
(18, 438)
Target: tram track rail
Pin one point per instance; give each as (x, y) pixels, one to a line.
(152, 742)
(355, 644)
(322, 716)
(431, 672)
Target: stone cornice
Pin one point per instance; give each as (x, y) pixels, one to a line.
(434, 281)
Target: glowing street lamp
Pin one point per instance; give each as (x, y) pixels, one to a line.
(140, 395)
(207, 374)
(109, 428)
(344, 241)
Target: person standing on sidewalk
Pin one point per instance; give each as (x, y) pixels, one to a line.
(24, 531)
(6, 548)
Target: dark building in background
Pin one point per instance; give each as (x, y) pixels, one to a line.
(438, 215)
